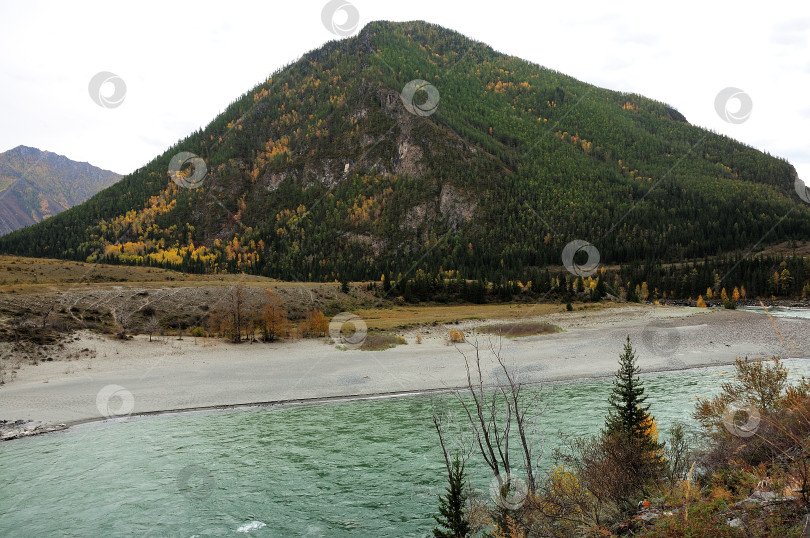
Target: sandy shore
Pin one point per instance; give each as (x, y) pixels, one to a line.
(114, 377)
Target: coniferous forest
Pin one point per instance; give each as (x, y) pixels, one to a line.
(320, 173)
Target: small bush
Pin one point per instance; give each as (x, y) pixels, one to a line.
(456, 337)
(197, 332)
(379, 342)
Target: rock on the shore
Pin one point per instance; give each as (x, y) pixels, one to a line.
(14, 429)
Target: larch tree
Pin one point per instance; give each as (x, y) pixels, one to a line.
(151, 326)
(274, 320)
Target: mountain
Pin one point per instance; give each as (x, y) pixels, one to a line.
(36, 184)
(328, 171)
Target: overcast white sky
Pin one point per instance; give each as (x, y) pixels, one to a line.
(184, 62)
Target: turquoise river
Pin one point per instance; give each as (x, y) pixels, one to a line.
(354, 468)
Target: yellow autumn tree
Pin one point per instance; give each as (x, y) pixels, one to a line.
(735, 295)
(723, 295)
(708, 293)
(231, 316)
(650, 429)
(567, 501)
(273, 320)
(700, 302)
(314, 324)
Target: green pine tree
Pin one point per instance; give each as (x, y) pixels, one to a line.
(452, 506)
(628, 411)
(601, 289)
(630, 422)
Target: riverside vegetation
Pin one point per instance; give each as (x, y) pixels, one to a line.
(744, 472)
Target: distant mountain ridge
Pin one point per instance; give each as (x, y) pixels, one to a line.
(37, 184)
(331, 169)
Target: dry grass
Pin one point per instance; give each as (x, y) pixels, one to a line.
(405, 317)
(380, 341)
(518, 329)
(31, 274)
(64, 296)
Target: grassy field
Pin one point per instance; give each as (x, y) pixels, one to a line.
(34, 274)
(404, 317)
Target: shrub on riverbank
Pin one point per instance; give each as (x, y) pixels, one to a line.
(745, 471)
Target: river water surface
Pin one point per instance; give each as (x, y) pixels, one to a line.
(361, 468)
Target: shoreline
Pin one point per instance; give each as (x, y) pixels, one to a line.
(349, 398)
(171, 377)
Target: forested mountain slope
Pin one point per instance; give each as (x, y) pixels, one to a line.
(322, 172)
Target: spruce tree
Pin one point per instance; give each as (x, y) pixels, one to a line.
(628, 411)
(630, 423)
(452, 506)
